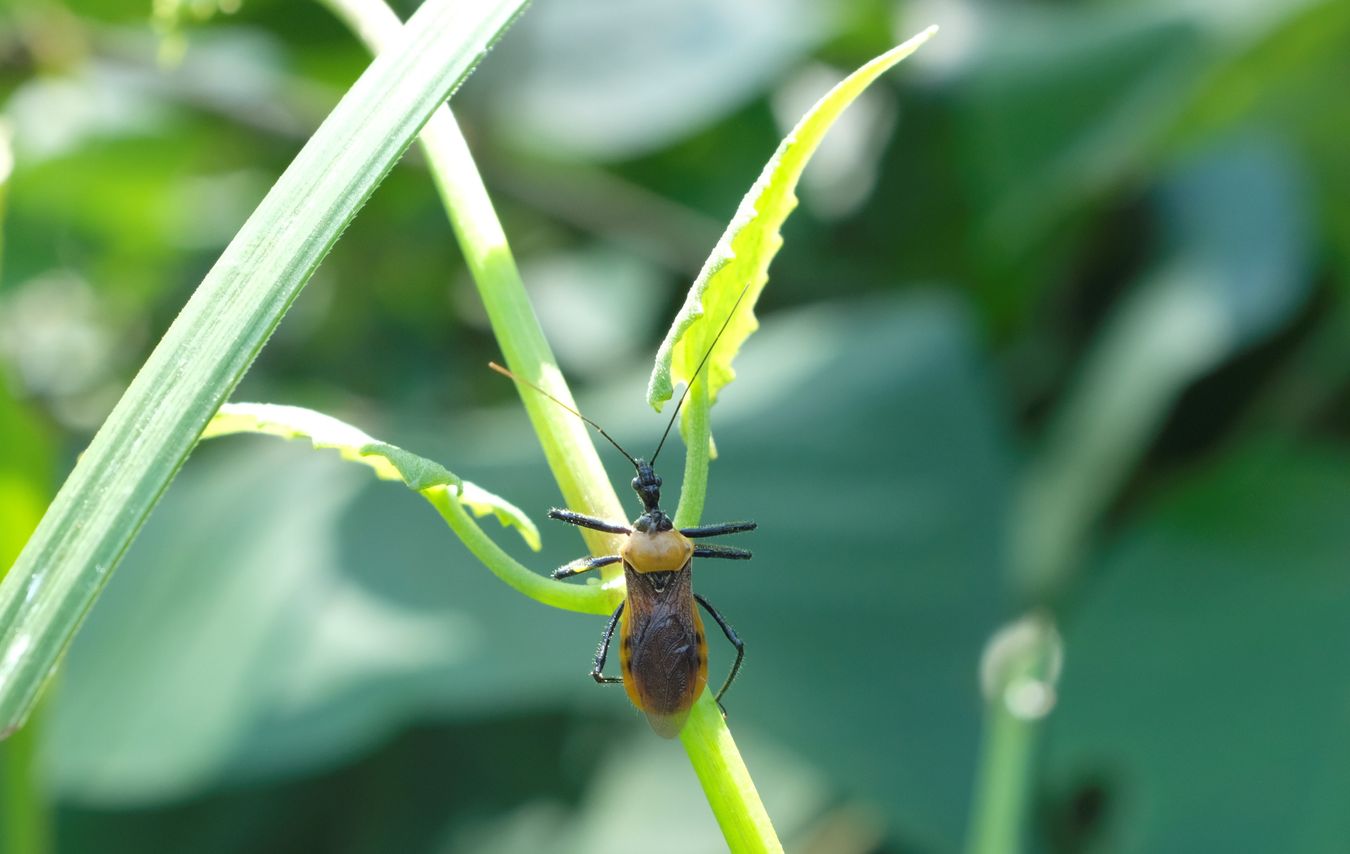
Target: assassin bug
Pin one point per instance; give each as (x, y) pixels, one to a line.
(662, 649)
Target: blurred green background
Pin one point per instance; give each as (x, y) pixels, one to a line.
(1061, 326)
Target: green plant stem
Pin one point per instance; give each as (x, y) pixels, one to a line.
(712, 751)
(587, 599)
(1019, 676)
(697, 457)
(567, 445)
(444, 490)
(726, 781)
(571, 454)
(1003, 783)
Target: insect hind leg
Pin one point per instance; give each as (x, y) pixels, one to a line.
(602, 651)
(735, 641)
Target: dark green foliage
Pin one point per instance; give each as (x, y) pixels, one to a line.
(296, 658)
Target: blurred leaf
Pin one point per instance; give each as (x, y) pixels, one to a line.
(1280, 51)
(792, 793)
(738, 267)
(1235, 268)
(6, 169)
(542, 783)
(223, 600)
(25, 818)
(25, 474)
(626, 78)
(1197, 700)
(877, 466)
(171, 17)
(905, 604)
(389, 462)
(566, 288)
(1241, 211)
(1063, 112)
(1289, 84)
(211, 344)
(1055, 104)
(25, 478)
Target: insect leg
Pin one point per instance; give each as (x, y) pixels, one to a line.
(719, 530)
(588, 521)
(582, 564)
(729, 552)
(735, 641)
(602, 651)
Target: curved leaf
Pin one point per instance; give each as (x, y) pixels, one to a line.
(740, 261)
(389, 462)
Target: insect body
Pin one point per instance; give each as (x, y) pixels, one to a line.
(663, 652)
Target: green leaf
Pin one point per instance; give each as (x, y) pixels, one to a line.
(564, 99)
(740, 261)
(215, 338)
(1198, 701)
(419, 633)
(389, 462)
(411, 629)
(1234, 270)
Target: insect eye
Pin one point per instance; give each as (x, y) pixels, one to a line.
(658, 480)
(635, 483)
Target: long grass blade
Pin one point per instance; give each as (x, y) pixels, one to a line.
(208, 348)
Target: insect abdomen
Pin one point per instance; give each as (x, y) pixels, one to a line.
(664, 656)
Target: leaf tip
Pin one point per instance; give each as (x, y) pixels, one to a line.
(911, 44)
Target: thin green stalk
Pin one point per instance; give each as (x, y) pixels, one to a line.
(212, 342)
(567, 444)
(1003, 783)
(443, 489)
(712, 751)
(569, 597)
(726, 781)
(697, 456)
(1019, 676)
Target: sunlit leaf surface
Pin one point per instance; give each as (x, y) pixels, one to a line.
(740, 261)
(389, 462)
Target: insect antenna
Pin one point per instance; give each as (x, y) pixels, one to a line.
(504, 372)
(694, 376)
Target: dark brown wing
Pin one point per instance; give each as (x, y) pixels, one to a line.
(663, 651)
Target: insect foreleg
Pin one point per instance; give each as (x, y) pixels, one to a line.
(602, 651)
(719, 530)
(588, 521)
(582, 564)
(735, 641)
(728, 552)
